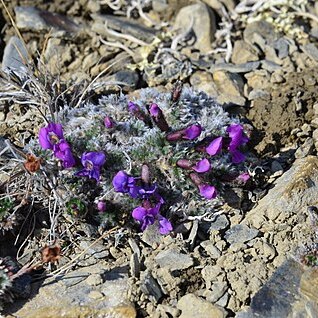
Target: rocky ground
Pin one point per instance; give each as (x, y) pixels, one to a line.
(256, 58)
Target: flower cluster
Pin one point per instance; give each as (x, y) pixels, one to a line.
(51, 137)
(192, 146)
(141, 188)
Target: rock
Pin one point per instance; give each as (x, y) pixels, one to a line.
(258, 93)
(202, 19)
(123, 25)
(230, 86)
(240, 233)
(193, 306)
(94, 280)
(172, 259)
(15, 55)
(258, 79)
(151, 236)
(125, 78)
(31, 18)
(282, 46)
(212, 251)
(203, 81)
(294, 190)
(305, 149)
(218, 4)
(270, 66)
(277, 296)
(68, 297)
(134, 265)
(243, 52)
(261, 28)
(150, 286)
(239, 68)
(211, 273)
(310, 50)
(57, 54)
(160, 5)
(98, 250)
(220, 223)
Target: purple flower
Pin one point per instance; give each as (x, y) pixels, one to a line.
(133, 108)
(50, 136)
(207, 191)
(215, 146)
(244, 177)
(236, 133)
(202, 166)
(109, 122)
(165, 225)
(92, 162)
(158, 117)
(146, 216)
(192, 132)
(101, 206)
(123, 182)
(155, 110)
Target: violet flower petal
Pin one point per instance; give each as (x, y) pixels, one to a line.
(202, 166)
(101, 206)
(237, 156)
(139, 213)
(215, 146)
(69, 160)
(95, 158)
(243, 177)
(147, 220)
(109, 122)
(192, 132)
(236, 133)
(44, 140)
(207, 191)
(165, 225)
(120, 182)
(154, 110)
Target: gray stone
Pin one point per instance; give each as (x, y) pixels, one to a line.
(240, 233)
(151, 236)
(294, 190)
(15, 55)
(261, 28)
(270, 66)
(31, 18)
(258, 93)
(193, 306)
(243, 52)
(97, 251)
(134, 265)
(71, 296)
(212, 251)
(277, 296)
(150, 286)
(230, 86)
(220, 223)
(172, 259)
(126, 78)
(239, 68)
(202, 19)
(203, 81)
(311, 50)
(123, 25)
(160, 5)
(305, 149)
(282, 46)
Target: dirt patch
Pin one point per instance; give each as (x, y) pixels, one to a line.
(287, 106)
